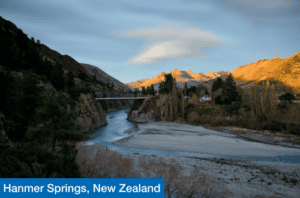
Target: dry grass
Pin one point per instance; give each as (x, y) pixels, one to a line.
(105, 164)
(177, 184)
(108, 164)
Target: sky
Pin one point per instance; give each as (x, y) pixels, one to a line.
(133, 39)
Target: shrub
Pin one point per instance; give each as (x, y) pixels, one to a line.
(287, 97)
(107, 164)
(218, 100)
(193, 118)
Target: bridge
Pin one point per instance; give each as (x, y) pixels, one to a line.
(130, 98)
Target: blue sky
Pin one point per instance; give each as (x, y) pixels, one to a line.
(134, 39)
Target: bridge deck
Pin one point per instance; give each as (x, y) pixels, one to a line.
(130, 98)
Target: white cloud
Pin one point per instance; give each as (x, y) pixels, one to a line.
(171, 42)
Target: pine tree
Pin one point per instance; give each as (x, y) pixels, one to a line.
(185, 88)
(70, 79)
(229, 92)
(166, 86)
(58, 77)
(144, 90)
(136, 91)
(152, 90)
(206, 92)
(52, 145)
(161, 87)
(217, 84)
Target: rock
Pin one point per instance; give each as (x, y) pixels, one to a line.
(91, 115)
(136, 116)
(3, 136)
(47, 87)
(17, 74)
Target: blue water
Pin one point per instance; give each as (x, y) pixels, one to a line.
(117, 124)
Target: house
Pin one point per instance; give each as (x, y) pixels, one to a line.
(205, 98)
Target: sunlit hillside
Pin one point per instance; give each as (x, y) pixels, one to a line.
(189, 77)
(286, 71)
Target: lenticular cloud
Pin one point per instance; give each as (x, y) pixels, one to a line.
(171, 42)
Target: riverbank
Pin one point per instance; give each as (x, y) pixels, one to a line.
(244, 178)
(197, 139)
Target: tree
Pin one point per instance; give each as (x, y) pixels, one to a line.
(185, 88)
(148, 90)
(21, 104)
(206, 92)
(70, 79)
(152, 90)
(218, 100)
(161, 88)
(232, 101)
(51, 145)
(112, 85)
(6, 80)
(166, 86)
(191, 90)
(58, 77)
(287, 97)
(136, 91)
(38, 42)
(144, 90)
(217, 84)
(229, 92)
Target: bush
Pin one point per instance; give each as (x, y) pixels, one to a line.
(218, 100)
(107, 164)
(83, 76)
(274, 126)
(193, 118)
(77, 89)
(189, 109)
(287, 97)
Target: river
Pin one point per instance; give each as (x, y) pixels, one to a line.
(117, 124)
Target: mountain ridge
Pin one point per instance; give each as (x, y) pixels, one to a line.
(181, 77)
(104, 77)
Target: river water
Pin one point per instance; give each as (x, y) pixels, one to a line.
(118, 123)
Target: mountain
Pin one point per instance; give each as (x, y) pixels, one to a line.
(104, 77)
(286, 71)
(91, 112)
(181, 77)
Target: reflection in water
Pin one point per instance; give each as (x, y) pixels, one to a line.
(117, 124)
